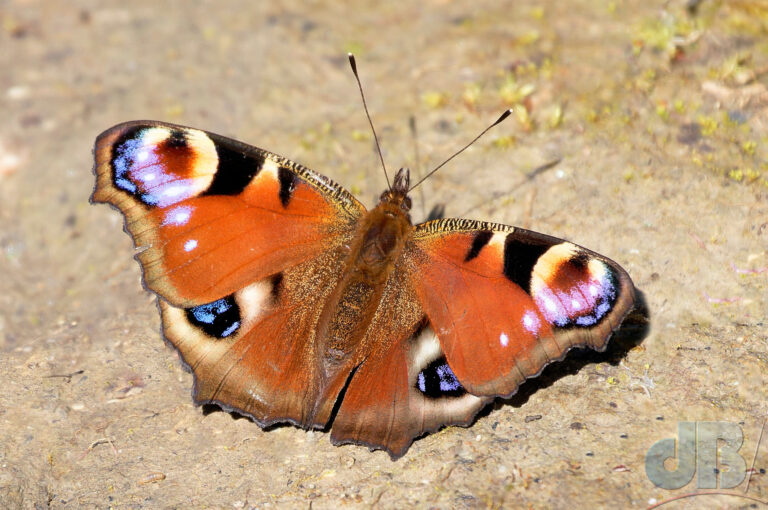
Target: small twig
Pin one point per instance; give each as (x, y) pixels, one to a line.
(243, 440)
(528, 178)
(528, 214)
(67, 377)
(698, 240)
(644, 382)
(748, 271)
(103, 440)
(417, 159)
(444, 478)
(543, 168)
(722, 300)
(757, 449)
(377, 497)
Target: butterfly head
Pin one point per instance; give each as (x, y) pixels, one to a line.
(398, 193)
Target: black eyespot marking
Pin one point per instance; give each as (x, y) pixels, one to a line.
(521, 251)
(236, 169)
(176, 140)
(277, 285)
(218, 319)
(437, 381)
(482, 238)
(287, 184)
(580, 261)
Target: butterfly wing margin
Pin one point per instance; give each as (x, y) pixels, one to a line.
(505, 302)
(213, 215)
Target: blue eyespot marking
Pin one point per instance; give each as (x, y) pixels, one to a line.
(438, 380)
(219, 319)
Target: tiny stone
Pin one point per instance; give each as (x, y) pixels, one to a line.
(17, 92)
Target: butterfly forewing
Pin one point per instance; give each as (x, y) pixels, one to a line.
(506, 301)
(213, 215)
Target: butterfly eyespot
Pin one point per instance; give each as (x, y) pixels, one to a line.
(161, 166)
(218, 319)
(437, 380)
(576, 291)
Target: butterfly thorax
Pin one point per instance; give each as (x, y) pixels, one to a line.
(382, 232)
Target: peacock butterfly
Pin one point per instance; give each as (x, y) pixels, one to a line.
(290, 302)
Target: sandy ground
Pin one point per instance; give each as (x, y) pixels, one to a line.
(656, 116)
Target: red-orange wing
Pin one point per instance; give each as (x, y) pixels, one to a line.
(255, 351)
(211, 214)
(505, 301)
(471, 310)
(243, 246)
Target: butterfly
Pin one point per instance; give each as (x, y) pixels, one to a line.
(290, 302)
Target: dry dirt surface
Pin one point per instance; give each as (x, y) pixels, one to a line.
(640, 131)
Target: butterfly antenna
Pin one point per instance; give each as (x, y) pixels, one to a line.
(438, 167)
(353, 64)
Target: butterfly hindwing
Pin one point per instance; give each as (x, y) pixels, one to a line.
(211, 214)
(505, 301)
(404, 388)
(256, 351)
